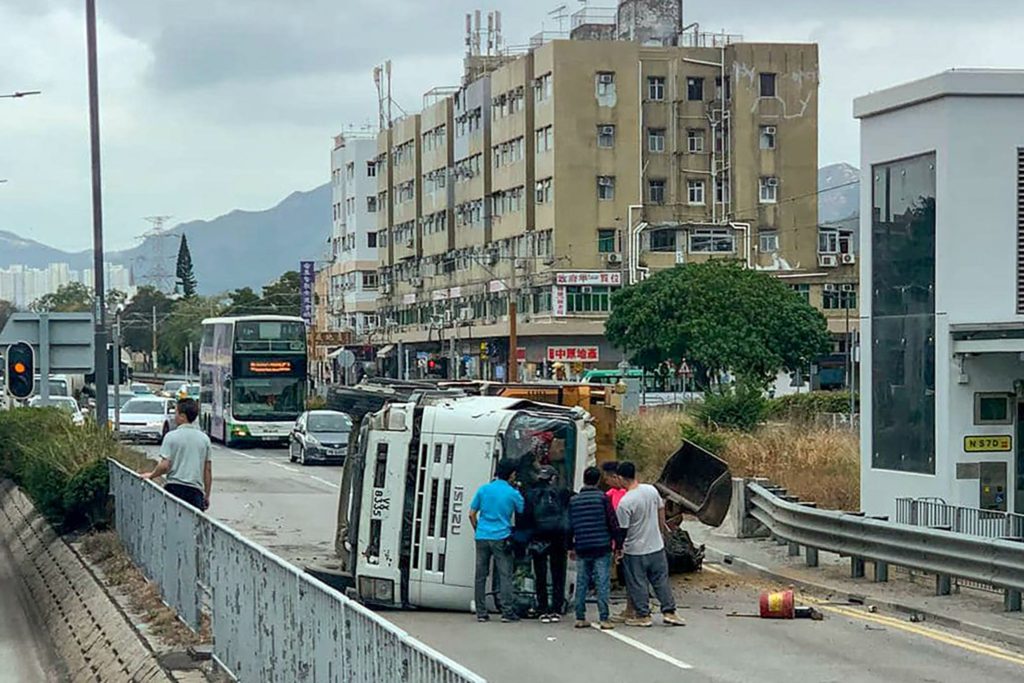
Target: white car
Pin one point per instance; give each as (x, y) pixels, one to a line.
(63, 403)
(146, 418)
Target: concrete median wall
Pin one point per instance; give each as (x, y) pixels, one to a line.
(91, 635)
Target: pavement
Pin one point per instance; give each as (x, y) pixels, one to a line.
(291, 510)
(26, 655)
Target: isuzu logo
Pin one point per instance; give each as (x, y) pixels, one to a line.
(458, 502)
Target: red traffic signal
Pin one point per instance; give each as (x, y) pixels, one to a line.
(21, 369)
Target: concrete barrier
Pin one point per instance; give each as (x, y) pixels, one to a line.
(92, 636)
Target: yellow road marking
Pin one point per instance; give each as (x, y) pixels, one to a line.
(947, 638)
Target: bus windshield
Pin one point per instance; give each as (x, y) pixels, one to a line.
(268, 399)
(534, 440)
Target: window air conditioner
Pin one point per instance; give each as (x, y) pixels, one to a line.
(827, 260)
(848, 259)
(847, 288)
(614, 258)
(466, 313)
(769, 130)
(607, 130)
(772, 182)
(830, 288)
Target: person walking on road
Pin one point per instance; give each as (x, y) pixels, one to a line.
(547, 516)
(616, 490)
(185, 459)
(595, 536)
(490, 513)
(641, 513)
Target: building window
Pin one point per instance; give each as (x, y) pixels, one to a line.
(769, 190)
(606, 240)
(721, 190)
(768, 242)
(767, 85)
(587, 299)
(543, 191)
(712, 241)
(369, 280)
(828, 241)
(768, 137)
(718, 88)
(606, 136)
(839, 297)
(695, 89)
(803, 291)
(542, 88)
(605, 83)
(371, 240)
(656, 88)
(663, 240)
(656, 139)
(992, 409)
(606, 187)
(656, 191)
(371, 205)
(545, 139)
(695, 191)
(695, 141)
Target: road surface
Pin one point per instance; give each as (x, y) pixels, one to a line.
(291, 510)
(26, 654)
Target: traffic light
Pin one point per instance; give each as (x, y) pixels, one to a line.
(21, 369)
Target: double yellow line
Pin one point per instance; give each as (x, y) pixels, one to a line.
(940, 636)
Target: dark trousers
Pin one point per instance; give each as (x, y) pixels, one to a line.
(189, 494)
(644, 569)
(501, 553)
(553, 557)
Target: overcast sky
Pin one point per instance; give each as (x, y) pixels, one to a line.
(212, 105)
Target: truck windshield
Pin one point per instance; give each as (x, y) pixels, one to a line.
(534, 439)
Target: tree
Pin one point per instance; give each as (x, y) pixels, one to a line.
(137, 318)
(719, 316)
(6, 309)
(184, 326)
(185, 273)
(243, 301)
(73, 297)
(282, 297)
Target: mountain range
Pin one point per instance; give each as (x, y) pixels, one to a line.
(253, 248)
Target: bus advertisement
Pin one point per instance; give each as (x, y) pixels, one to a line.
(252, 377)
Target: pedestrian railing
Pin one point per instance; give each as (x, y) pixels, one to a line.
(937, 514)
(946, 554)
(270, 621)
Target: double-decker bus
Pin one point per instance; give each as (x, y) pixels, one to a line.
(252, 377)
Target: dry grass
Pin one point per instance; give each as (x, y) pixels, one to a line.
(815, 463)
(105, 550)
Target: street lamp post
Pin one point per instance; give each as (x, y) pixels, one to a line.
(100, 318)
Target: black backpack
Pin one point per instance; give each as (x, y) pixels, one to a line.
(550, 514)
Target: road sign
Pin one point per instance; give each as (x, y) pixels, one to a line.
(346, 359)
(68, 336)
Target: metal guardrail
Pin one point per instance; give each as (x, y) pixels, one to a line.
(271, 622)
(945, 554)
(937, 514)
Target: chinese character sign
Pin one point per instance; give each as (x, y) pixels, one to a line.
(576, 354)
(613, 278)
(307, 275)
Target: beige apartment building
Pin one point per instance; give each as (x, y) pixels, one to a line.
(559, 175)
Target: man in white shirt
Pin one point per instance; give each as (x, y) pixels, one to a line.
(641, 514)
(185, 459)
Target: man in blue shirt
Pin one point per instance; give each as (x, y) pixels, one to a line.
(491, 513)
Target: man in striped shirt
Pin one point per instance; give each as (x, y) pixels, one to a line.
(594, 536)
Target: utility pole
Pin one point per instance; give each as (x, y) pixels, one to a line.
(153, 360)
(100, 319)
(512, 374)
(116, 360)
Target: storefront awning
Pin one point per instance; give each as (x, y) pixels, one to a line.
(988, 337)
(335, 353)
(385, 351)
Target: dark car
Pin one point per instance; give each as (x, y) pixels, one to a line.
(320, 436)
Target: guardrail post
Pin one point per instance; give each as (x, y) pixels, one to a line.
(943, 584)
(794, 549)
(812, 556)
(913, 512)
(1011, 600)
(881, 572)
(856, 567)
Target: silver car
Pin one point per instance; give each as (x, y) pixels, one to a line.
(320, 436)
(65, 404)
(147, 418)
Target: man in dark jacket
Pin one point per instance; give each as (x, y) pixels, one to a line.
(547, 518)
(595, 535)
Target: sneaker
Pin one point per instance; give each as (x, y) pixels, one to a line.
(509, 619)
(606, 625)
(483, 618)
(643, 622)
(545, 618)
(623, 616)
(672, 619)
(582, 623)
(555, 618)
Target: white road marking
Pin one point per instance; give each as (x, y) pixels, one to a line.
(244, 455)
(329, 483)
(300, 472)
(646, 649)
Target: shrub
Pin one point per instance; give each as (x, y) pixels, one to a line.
(807, 406)
(741, 406)
(713, 442)
(63, 468)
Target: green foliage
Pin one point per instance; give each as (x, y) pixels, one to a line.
(186, 277)
(73, 297)
(243, 301)
(719, 316)
(184, 326)
(137, 317)
(739, 406)
(711, 441)
(60, 466)
(282, 297)
(807, 406)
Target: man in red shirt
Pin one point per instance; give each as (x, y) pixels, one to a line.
(616, 490)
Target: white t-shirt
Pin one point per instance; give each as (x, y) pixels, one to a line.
(188, 449)
(638, 515)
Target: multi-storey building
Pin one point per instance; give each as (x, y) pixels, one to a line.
(552, 178)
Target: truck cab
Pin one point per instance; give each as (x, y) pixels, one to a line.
(406, 492)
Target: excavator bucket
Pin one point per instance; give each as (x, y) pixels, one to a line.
(698, 482)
